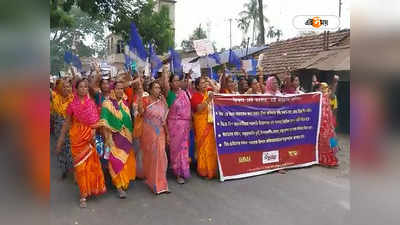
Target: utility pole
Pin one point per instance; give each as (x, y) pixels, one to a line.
(340, 11)
(209, 30)
(247, 47)
(230, 33)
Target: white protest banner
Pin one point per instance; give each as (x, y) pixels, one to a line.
(203, 47)
(196, 70)
(186, 67)
(147, 69)
(246, 65)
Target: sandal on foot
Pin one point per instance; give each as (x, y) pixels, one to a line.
(83, 203)
(180, 180)
(122, 194)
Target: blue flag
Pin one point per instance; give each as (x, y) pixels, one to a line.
(128, 64)
(176, 63)
(216, 57)
(136, 44)
(234, 59)
(213, 74)
(71, 58)
(253, 70)
(77, 62)
(127, 61)
(68, 57)
(155, 62)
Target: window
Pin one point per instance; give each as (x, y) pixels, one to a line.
(120, 46)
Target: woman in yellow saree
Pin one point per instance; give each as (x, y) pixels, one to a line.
(117, 121)
(60, 100)
(206, 150)
(81, 120)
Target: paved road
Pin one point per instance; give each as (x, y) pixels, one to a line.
(306, 196)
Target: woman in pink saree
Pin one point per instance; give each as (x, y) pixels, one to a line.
(155, 163)
(272, 86)
(179, 118)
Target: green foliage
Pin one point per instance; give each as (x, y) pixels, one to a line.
(86, 18)
(153, 27)
(60, 16)
(274, 32)
(83, 28)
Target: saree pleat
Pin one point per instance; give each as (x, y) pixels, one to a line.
(153, 145)
(116, 118)
(179, 117)
(206, 152)
(326, 154)
(87, 168)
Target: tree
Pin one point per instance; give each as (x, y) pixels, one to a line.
(243, 24)
(251, 15)
(104, 10)
(153, 27)
(271, 32)
(198, 34)
(83, 28)
(59, 16)
(243, 44)
(278, 34)
(261, 36)
(214, 45)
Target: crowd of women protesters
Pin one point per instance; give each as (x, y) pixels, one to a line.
(133, 126)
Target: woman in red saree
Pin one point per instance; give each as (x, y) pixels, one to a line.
(155, 162)
(326, 155)
(82, 116)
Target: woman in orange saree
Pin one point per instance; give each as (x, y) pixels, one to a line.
(206, 149)
(82, 116)
(154, 110)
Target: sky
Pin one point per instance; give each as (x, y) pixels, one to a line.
(214, 15)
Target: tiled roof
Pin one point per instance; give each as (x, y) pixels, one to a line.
(292, 53)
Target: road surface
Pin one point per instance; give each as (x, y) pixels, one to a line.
(313, 195)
